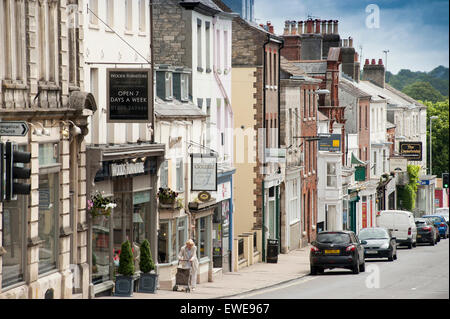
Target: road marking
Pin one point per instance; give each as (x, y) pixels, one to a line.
(282, 286)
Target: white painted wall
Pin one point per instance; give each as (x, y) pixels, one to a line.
(101, 45)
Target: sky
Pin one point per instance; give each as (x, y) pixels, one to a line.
(416, 32)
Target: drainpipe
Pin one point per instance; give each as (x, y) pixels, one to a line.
(152, 68)
(278, 196)
(263, 245)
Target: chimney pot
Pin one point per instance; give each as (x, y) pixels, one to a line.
(330, 26)
(345, 43)
(367, 62)
(335, 27)
(317, 25)
(293, 27)
(350, 42)
(287, 25)
(373, 61)
(380, 61)
(324, 26)
(300, 27)
(309, 26)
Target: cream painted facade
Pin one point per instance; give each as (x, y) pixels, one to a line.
(244, 147)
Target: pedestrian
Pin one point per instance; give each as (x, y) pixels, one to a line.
(188, 259)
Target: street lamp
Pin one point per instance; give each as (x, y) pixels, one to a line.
(431, 156)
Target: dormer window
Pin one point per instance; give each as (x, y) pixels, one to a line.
(168, 86)
(164, 85)
(184, 87)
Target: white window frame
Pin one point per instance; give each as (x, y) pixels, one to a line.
(332, 175)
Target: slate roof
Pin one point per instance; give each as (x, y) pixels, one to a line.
(349, 87)
(319, 67)
(291, 68)
(403, 95)
(177, 109)
(208, 3)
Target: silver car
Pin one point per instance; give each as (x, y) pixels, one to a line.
(379, 243)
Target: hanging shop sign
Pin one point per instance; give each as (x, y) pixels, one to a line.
(398, 164)
(411, 150)
(330, 142)
(203, 172)
(129, 96)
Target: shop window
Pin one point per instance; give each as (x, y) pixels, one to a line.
(171, 237)
(48, 225)
(13, 240)
(163, 243)
(204, 236)
(141, 213)
(48, 221)
(100, 249)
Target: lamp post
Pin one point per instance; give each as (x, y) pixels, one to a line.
(431, 154)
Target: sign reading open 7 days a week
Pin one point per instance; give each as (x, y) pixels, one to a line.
(129, 96)
(411, 150)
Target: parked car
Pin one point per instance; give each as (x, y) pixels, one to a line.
(427, 232)
(440, 222)
(401, 225)
(443, 211)
(337, 249)
(379, 243)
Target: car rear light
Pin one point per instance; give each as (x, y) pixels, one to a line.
(350, 248)
(442, 225)
(426, 228)
(314, 249)
(409, 231)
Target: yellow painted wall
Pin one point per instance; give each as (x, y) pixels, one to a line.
(244, 151)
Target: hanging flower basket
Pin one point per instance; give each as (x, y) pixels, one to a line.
(167, 196)
(99, 205)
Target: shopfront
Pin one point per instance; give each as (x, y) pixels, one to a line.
(130, 182)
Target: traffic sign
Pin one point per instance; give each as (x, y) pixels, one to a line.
(11, 128)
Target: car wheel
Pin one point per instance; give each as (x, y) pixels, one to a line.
(362, 267)
(432, 243)
(320, 270)
(409, 245)
(356, 266)
(414, 244)
(313, 271)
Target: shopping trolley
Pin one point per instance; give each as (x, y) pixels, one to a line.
(183, 278)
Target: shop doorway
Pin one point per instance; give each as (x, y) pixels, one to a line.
(123, 215)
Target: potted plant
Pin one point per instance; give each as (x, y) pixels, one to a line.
(149, 279)
(167, 197)
(99, 205)
(125, 282)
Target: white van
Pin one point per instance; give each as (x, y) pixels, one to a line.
(401, 224)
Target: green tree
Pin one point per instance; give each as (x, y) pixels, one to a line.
(423, 91)
(146, 263)
(126, 264)
(440, 135)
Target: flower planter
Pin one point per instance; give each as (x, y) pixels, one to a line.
(148, 283)
(124, 286)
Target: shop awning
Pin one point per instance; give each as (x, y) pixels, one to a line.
(356, 160)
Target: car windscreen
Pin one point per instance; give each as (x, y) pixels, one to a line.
(365, 234)
(435, 219)
(421, 223)
(333, 238)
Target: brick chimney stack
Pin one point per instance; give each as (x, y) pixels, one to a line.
(375, 73)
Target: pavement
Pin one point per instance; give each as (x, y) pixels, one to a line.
(290, 266)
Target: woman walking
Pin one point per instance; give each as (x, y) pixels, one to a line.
(188, 259)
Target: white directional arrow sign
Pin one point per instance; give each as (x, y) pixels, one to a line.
(13, 128)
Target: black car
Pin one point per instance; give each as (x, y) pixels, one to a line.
(337, 249)
(427, 232)
(380, 243)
